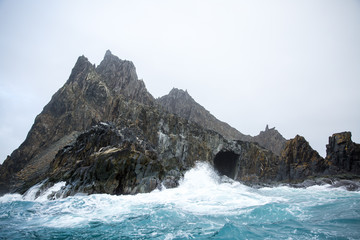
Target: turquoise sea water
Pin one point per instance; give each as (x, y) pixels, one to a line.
(204, 206)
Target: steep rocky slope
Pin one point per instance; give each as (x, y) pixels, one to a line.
(181, 103)
(90, 95)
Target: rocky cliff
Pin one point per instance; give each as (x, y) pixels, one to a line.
(103, 132)
(124, 160)
(342, 154)
(300, 161)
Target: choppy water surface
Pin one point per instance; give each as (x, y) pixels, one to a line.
(204, 206)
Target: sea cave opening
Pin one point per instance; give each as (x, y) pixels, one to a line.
(225, 163)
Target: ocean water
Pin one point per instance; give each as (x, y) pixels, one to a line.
(204, 206)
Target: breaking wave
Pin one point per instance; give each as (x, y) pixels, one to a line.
(204, 206)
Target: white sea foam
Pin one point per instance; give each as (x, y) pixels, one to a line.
(31, 193)
(201, 192)
(10, 198)
(44, 196)
(35, 193)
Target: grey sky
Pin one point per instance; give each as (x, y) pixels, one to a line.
(294, 65)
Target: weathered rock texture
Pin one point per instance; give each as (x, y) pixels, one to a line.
(108, 159)
(342, 154)
(103, 132)
(300, 161)
(256, 164)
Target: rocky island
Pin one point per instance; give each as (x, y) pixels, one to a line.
(103, 132)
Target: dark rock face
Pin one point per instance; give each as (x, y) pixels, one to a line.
(343, 154)
(256, 164)
(105, 159)
(299, 161)
(113, 160)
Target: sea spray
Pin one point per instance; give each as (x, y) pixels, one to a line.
(204, 206)
(36, 193)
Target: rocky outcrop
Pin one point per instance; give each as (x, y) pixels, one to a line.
(114, 160)
(271, 139)
(105, 159)
(179, 102)
(257, 165)
(301, 165)
(342, 154)
(299, 161)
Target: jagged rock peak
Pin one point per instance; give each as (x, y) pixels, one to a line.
(176, 96)
(181, 103)
(82, 66)
(109, 57)
(179, 93)
(269, 129)
(120, 76)
(271, 139)
(112, 67)
(108, 53)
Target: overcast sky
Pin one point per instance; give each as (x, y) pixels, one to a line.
(294, 65)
